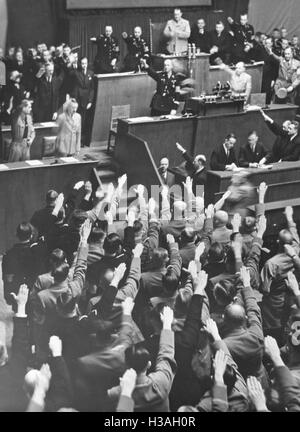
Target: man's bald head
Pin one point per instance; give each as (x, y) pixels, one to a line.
(220, 219)
(285, 237)
(235, 316)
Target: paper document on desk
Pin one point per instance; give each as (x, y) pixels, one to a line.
(70, 159)
(253, 108)
(3, 167)
(266, 167)
(34, 163)
(140, 119)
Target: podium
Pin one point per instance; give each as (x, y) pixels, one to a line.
(196, 68)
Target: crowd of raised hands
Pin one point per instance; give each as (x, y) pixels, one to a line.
(125, 319)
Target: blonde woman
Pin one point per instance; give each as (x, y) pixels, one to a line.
(69, 130)
(23, 133)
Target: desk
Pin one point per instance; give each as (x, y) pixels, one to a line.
(200, 135)
(131, 89)
(283, 182)
(41, 130)
(23, 189)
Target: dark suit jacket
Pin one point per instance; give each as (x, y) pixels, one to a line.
(219, 160)
(47, 97)
(199, 178)
(201, 41)
(283, 149)
(248, 156)
(224, 42)
(83, 87)
(170, 180)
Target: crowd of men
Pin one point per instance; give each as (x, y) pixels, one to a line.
(49, 75)
(178, 308)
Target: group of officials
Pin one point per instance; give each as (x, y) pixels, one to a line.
(225, 157)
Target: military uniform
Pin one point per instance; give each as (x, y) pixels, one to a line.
(243, 35)
(137, 49)
(164, 100)
(108, 50)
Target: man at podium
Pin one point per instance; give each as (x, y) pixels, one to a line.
(177, 31)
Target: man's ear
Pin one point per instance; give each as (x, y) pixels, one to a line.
(149, 365)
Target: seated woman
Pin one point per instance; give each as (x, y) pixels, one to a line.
(23, 133)
(69, 130)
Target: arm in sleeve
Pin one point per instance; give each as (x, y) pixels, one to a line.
(289, 389)
(60, 394)
(76, 285)
(175, 259)
(166, 366)
(215, 164)
(189, 335)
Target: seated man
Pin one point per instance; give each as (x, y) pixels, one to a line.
(240, 81)
(196, 168)
(253, 153)
(177, 31)
(224, 157)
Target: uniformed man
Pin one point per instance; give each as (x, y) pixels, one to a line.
(177, 31)
(243, 34)
(137, 49)
(164, 101)
(108, 52)
(296, 47)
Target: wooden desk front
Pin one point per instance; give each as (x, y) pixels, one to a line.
(201, 135)
(23, 189)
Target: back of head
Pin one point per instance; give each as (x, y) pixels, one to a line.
(220, 219)
(61, 273)
(216, 253)
(24, 231)
(188, 235)
(285, 237)
(78, 218)
(51, 198)
(234, 316)
(137, 357)
(112, 244)
(159, 258)
(97, 235)
(170, 281)
(57, 258)
(224, 292)
(179, 210)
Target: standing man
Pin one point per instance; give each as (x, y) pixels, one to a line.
(270, 70)
(137, 49)
(108, 52)
(223, 158)
(84, 91)
(243, 35)
(196, 168)
(167, 177)
(200, 36)
(164, 101)
(177, 31)
(220, 44)
(47, 95)
(287, 144)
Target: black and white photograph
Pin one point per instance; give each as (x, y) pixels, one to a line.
(150, 209)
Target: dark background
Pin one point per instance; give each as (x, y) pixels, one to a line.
(49, 20)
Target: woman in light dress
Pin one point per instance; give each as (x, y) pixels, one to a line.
(68, 141)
